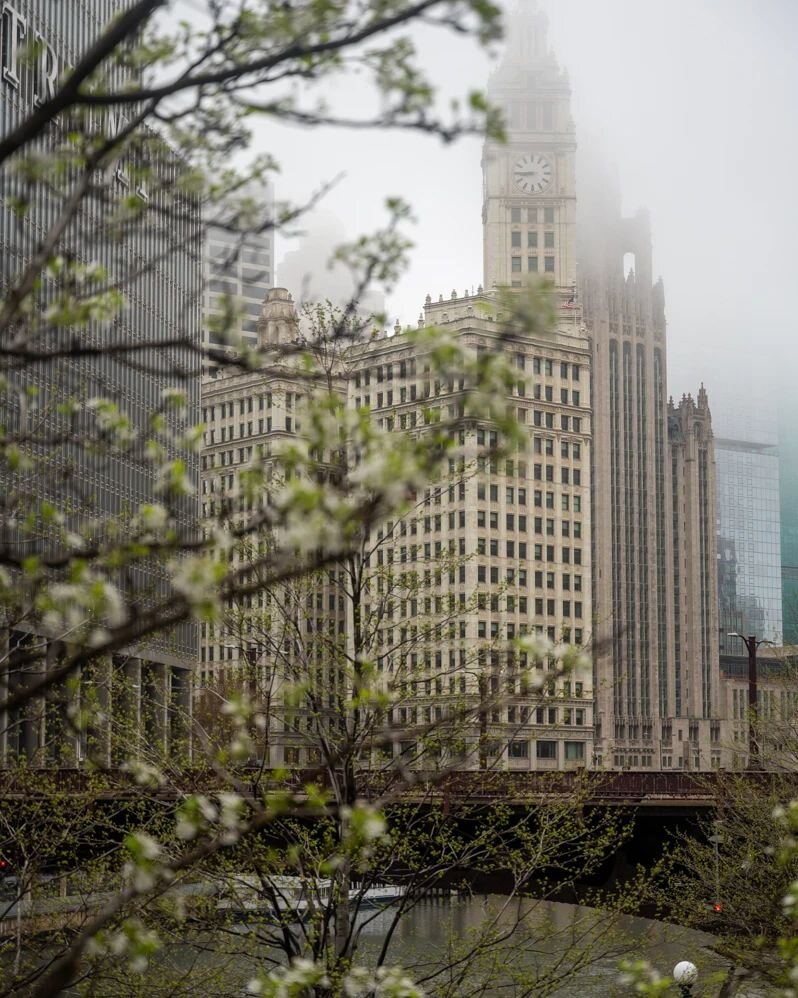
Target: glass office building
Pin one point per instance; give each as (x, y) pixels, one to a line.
(788, 489)
(239, 263)
(158, 263)
(749, 539)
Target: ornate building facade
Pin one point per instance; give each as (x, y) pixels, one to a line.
(655, 650)
(604, 533)
(498, 550)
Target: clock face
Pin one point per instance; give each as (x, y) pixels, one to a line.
(532, 173)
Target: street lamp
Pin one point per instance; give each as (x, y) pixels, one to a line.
(751, 643)
(717, 840)
(685, 974)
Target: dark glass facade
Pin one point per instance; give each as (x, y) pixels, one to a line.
(788, 502)
(748, 518)
(158, 263)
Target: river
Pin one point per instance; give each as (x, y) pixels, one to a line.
(490, 946)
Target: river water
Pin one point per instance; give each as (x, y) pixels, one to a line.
(490, 946)
(550, 949)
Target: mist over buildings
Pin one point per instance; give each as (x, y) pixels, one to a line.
(689, 105)
(309, 269)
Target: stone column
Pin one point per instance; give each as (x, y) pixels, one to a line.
(154, 705)
(126, 709)
(180, 714)
(97, 689)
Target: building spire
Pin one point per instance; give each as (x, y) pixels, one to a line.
(527, 40)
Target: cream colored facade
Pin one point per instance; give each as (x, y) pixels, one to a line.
(515, 536)
(521, 528)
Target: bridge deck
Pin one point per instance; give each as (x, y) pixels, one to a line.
(640, 789)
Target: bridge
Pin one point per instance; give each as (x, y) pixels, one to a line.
(651, 792)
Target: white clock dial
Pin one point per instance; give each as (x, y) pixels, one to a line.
(532, 173)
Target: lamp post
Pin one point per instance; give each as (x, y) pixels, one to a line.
(685, 974)
(751, 644)
(717, 840)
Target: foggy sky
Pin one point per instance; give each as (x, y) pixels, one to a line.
(694, 103)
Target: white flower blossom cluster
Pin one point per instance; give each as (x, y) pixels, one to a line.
(385, 982)
(144, 869)
(289, 982)
(82, 608)
(198, 812)
(642, 979)
(564, 657)
(292, 981)
(145, 774)
(197, 580)
(133, 942)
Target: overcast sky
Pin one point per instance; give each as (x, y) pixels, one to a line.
(694, 102)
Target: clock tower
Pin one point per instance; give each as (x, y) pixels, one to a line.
(529, 189)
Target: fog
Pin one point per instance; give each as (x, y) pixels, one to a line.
(693, 101)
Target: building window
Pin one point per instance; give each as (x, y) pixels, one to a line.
(515, 215)
(532, 239)
(548, 240)
(574, 751)
(518, 750)
(516, 264)
(515, 238)
(548, 216)
(546, 750)
(549, 264)
(532, 264)
(532, 216)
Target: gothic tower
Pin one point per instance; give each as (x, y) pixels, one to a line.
(654, 620)
(529, 196)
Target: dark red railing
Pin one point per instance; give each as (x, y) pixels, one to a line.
(592, 787)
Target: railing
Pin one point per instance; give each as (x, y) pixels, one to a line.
(467, 785)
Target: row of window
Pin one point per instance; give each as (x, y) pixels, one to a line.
(545, 393)
(492, 573)
(227, 410)
(546, 749)
(531, 239)
(546, 715)
(510, 603)
(532, 264)
(545, 368)
(541, 393)
(265, 425)
(568, 609)
(407, 369)
(490, 519)
(532, 216)
(491, 492)
(416, 552)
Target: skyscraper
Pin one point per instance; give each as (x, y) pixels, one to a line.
(239, 260)
(531, 222)
(160, 271)
(788, 511)
(748, 515)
